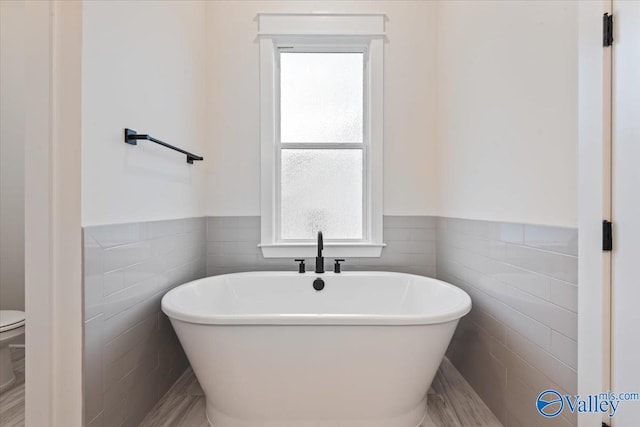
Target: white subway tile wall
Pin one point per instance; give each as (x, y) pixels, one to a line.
(520, 337)
(132, 355)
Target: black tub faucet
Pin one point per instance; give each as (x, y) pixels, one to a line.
(320, 258)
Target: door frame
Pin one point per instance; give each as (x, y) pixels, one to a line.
(594, 205)
(53, 233)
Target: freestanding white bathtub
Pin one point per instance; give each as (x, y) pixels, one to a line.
(271, 351)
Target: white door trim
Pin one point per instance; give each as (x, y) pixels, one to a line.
(53, 246)
(625, 206)
(594, 195)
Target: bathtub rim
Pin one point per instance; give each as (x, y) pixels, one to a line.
(462, 308)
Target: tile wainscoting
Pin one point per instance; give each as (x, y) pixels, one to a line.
(232, 246)
(520, 337)
(132, 355)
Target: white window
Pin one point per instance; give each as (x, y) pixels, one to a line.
(321, 133)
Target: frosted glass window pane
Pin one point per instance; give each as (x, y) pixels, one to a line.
(321, 190)
(321, 97)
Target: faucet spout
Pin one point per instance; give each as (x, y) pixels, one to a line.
(320, 258)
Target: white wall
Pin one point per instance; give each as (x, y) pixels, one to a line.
(480, 113)
(12, 67)
(233, 177)
(144, 67)
(480, 108)
(507, 110)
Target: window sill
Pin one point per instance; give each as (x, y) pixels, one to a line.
(331, 250)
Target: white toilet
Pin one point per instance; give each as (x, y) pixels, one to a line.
(11, 330)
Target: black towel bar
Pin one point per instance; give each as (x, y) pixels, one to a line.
(132, 137)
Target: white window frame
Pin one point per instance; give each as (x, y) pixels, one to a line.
(322, 32)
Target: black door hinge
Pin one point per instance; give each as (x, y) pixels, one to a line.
(607, 29)
(607, 236)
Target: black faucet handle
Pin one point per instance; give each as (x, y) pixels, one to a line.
(301, 267)
(336, 266)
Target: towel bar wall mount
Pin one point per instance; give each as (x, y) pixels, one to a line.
(131, 137)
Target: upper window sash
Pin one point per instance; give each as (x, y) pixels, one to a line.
(339, 47)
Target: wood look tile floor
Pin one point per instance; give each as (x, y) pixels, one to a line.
(451, 400)
(12, 400)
